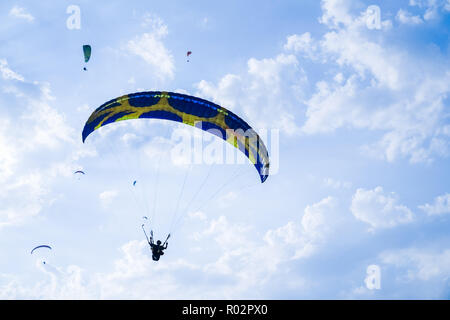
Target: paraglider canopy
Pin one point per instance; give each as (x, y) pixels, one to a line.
(87, 52)
(41, 246)
(78, 174)
(189, 110)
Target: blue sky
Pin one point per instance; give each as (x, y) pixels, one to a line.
(357, 115)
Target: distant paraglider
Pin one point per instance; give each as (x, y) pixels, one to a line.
(78, 174)
(188, 54)
(87, 54)
(42, 246)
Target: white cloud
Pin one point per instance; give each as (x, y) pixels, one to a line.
(302, 44)
(318, 223)
(351, 48)
(29, 132)
(432, 7)
(22, 198)
(241, 264)
(267, 95)
(50, 129)
(155, 23)
(237, 271)
(150, 47)
(197, 215)
(129, 138)
(378, 209)
(253, 264)
(7, 73)
(378, 87)
(246, 263)
(336, 184)
(21, 13)
(441, 205)
(419, 264)
(407, 18)
(319, 218)
(60, 283)
(335, 12)
(107, 197)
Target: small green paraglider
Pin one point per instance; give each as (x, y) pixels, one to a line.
(87, 54)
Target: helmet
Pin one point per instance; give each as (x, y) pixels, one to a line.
(158, 242)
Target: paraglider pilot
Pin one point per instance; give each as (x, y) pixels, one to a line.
(158, 248)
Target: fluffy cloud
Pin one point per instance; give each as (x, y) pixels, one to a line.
(247, 268)
(235, 271)
(377, 87)
(31, 131)
(150, 47)
(318, 224)
(441, 205)
(336, 12)
(336, 184)
(302, 44)
(7, 73)
(22, 198)
(265, 95)
(59, 283)
(431, 7)
(407, 18)
(21, 13)
(378, 209)
(419, 264)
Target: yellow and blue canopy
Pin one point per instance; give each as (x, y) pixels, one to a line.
(190, 110)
